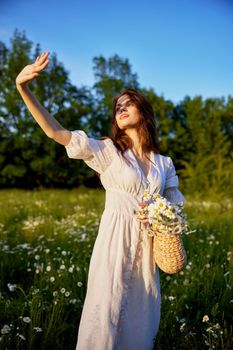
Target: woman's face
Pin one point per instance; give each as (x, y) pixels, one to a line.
(127, 114)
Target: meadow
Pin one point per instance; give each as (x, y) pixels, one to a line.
(47, 238)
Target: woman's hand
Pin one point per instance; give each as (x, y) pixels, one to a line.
(31, 71)
(144, 219)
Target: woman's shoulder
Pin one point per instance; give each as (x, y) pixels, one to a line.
(163, 159)
(107, 140)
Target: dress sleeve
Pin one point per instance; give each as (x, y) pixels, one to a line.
(171, 190)
(97, 154)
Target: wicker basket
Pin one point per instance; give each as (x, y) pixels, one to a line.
(169, 253)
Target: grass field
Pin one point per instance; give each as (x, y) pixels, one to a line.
(46, 243)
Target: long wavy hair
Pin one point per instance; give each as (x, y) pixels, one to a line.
(147, 128)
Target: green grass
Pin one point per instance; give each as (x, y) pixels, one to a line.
(47, 238)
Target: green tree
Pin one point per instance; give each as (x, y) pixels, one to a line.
(196, 133)
(112, 76)
(28, 157)
(163, 110)
(206, 158)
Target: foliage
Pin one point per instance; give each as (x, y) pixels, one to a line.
(112, 76)
(28, 159)
(206, 148)
(196, 133)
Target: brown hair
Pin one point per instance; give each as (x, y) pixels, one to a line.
(147, 130)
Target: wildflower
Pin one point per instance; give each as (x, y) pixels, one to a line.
(5, 329)
(67, 294)
(79, 284)
(35, 291)
(84, 236)
(63, 290)
(12, 287)
(39, 203)
(170, 297)
(73, 301)
(182, 326)
(55, 293)
(62, 267)
(38, 329)
(52, 279)
(26, 319)
(21, 336)
(163, 215)
(37, 257)
(146, 195)
(71, 269)
(63, 252)
(48, 268)
(205, 318)
(209, 330)
(211, 237)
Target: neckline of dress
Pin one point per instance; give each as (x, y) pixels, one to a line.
(135, 158)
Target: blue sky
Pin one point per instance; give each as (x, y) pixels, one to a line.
(177, 47)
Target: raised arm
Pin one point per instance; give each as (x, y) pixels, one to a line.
(52, 128)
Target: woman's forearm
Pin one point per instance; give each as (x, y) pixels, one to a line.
(46, 121)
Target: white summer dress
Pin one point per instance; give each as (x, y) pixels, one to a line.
(121, 310)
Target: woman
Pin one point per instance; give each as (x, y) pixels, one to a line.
(122, 304)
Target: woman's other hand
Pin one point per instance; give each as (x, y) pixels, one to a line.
(31, 71)
(143, 204)
(144, 219)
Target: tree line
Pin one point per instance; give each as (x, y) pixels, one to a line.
(196, 133)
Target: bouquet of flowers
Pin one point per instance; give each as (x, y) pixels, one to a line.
(163, 216)
(165, 224)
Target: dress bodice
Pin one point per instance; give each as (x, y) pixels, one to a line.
(116, 173)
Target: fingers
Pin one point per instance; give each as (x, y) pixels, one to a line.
(142, 218)
(144, 221)
(42, 66)
(143, 204)
(41, 62)
(41, 59)
(43, 56)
